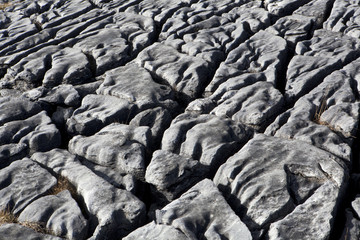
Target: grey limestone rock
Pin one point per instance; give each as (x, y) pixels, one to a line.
(172, 174)
(63, 95)
(201, 212)
(256, 105)
(327, 117)
(16, 231)
(97, 111)
(113, 212)
(69, 66)
(22, 182)
(206, 138)
(260, 57)
(283, 7)
(17, 108)
(272, 181)
(185, 74)
(60, 214)
(352, 226)
(11, 152)
(317, 9)
(37, 132)
(293, 28)
(316, 58)
(135, 84)
(157, 119)
(344, 17)
(118, 145)
(29, 72)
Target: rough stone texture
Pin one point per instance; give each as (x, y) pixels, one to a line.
(117, 146)
(201, 212)
(272, 181)
(97, 111)
(16, 231)
(255, 105)
(113, 212)
(344, 17)
(206, 138)
(153, 96)
(136, 85)
(184, 74)
(316, 58)
(171, 174)
(328, 116)
(259, 58)
(21, 183)
(60, 214)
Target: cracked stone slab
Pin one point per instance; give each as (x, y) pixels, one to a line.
(201, 212)
(328, 116)
(118, 146)
(60, 214)
(97, 111)
(16, 231)
(172, 174)
(273, 181)
(256, 105)
(283, 7)
(344, 17)
(64, 95)
(29, 72)
(135, 84)
(206, 138)
(183, 73)
(22, 182)
(68, 66)
(113, 212)
(37, 132)
(260, 57)
(317, 9)
(17, 108)
(316, 58)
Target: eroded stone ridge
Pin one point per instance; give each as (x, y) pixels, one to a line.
(179, 119)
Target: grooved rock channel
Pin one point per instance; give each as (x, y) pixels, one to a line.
(179, 119)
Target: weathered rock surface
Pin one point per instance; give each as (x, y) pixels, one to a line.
(201, 212)
(147, 98)
(16, 231)
(275, 182)
(117, 146)
(60, 214)
(113, 212)
(23, 182)
(97, 111)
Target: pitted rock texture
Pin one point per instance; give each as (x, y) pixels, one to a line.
(179, 119)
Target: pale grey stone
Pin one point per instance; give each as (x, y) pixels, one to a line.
(17, 108)
(117, 145)
(22, 182)
(316, 58)
(97, 111)
(172, 174)
(11, 152)
(185, 74)
(206, 138)
(64, 94)
(317, 9)
(157, 119)
(201, 212)
(352, 226)
(60, 214)
(16, 231)
(264, 54)
(69, 66)
(344, 17)
(114, 212)
(286, 184)
(135, 84)
(256, 105)
(37, 132)
(283, 7)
